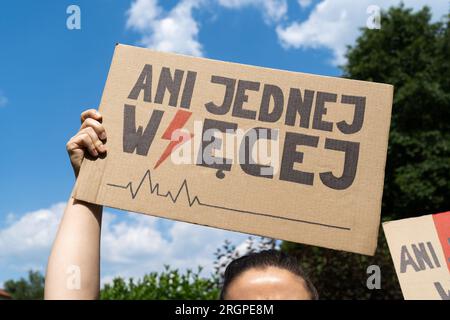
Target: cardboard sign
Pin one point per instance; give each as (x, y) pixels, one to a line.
(287, 155)
(420, 249)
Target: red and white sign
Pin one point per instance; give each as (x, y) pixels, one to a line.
(420, 249)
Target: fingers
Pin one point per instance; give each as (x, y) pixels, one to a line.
(91, 113)
(86, 139)
(82, 141)
(90, 135)
(97, 126)
(99, 147)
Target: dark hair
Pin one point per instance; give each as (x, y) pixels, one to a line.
(264, 259)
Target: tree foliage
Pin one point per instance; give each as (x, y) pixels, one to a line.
(412, 54)
(31, 288)
(167, 285)
(343, 275)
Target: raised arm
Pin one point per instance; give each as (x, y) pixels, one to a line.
(73, 270)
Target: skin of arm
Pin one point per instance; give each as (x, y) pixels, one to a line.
(73, 269)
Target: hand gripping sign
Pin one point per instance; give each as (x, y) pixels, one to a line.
(286, 155)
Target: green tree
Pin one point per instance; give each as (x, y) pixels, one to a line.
(413, 54)
(167, 285)
(26, 289)
(343, 275)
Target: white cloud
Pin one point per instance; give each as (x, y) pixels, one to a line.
(3, 100)
(25, 241)
(174, 31)
(31, 232)
(142, 14)
(273, 10)
(137, 246)
(335, 24)
(331, 24)
(304, 3)
(132, 244)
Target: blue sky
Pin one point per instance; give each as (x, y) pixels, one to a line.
(49, 74)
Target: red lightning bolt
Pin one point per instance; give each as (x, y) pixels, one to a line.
(180, 119)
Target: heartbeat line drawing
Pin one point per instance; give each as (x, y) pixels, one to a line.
(194, 200)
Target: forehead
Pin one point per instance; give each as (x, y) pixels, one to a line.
(267, 283)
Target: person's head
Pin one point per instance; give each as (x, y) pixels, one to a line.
(267, 275)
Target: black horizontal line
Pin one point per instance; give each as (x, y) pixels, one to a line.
(154, 189)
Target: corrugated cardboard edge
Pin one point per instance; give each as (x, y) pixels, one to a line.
(95, 172)
(380, 200)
